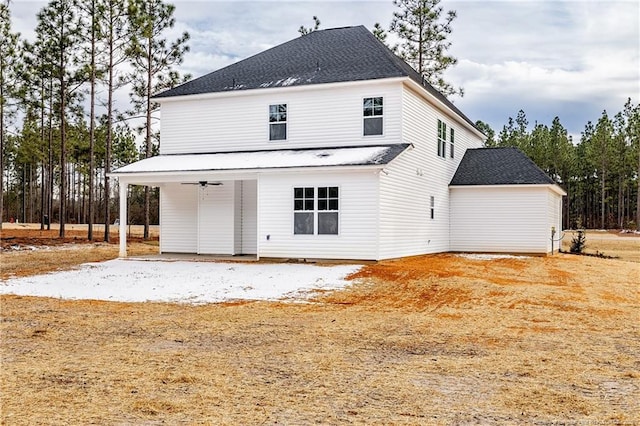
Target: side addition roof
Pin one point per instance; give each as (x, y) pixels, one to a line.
(324, 56)
(498, 166)
(264, 160)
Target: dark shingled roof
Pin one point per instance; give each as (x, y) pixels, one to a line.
(498, 166)
(324, 56)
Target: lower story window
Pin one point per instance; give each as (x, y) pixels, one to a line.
(315, 210)
(303, 206)
(433, 207)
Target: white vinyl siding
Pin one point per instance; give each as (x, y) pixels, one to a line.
(500, 219)
(209, 220)
(178, 218)
(554, 214)
(407, 184)
(317, 117)
(357, 238)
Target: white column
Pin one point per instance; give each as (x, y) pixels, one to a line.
(123, 218)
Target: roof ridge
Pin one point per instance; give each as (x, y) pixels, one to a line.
(335, 28)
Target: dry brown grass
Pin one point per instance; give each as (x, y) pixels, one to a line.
(40, 252)
(425, 340)
(29, 262)
(612, 243)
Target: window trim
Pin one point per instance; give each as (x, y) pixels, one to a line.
(372, 116)
(316, 211)
(285, 122)
(451, 142)
(442, 139)
(432, 205)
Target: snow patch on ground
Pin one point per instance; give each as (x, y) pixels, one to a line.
(480, 256)
(70, 246)
(183, 282)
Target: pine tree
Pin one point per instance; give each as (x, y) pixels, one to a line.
(599, 150)
(58, 25)
(379, 33)
(515, 132)
(304, 30)
(488, 132)
(153, 60)
(634, 131)
(423, 31)
(116, 39)
(9, 75)
(37, 95)
(92, 11)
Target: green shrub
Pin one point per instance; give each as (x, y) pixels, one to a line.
(578, 242)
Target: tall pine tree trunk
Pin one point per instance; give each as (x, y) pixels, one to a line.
(92, 125)
(638, 195)
(42, 167)
(63, 150)
(602, 200)
(620, 203)
(107, 156)
(2, 151)
(50, 172)
(147, 192)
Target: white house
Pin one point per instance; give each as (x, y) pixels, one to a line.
(330, 146)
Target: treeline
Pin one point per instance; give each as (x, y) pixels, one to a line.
(600, 172)
(61, 131)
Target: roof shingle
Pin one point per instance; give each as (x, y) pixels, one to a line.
(498, 166)
(324, 56)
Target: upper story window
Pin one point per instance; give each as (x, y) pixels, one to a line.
(278, 122)
(442, 139)
(451, 140)
(372, 112)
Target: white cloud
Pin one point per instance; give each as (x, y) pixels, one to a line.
(572, 59)
(567, 58)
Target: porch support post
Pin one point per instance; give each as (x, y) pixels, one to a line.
(122, 228)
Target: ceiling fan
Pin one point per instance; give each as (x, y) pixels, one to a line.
(203, 183)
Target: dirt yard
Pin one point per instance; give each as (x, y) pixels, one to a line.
(26, 250)
(442, 339)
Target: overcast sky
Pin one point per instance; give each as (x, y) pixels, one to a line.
(571, 59)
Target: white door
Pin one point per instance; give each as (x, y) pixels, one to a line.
(216, 218)
(249, 217)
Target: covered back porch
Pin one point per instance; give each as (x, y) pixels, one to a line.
(200, 214)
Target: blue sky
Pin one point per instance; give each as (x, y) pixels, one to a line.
(570, 59)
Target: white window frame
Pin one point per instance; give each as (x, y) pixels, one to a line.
(432, 204)
(451, 142)
(304, 199)
(316, 212)
(364, 118)
(442, 139)
(285, 122)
